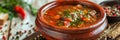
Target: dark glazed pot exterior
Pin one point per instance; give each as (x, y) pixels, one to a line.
(56, 33)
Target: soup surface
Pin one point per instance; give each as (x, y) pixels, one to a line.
(71, 16)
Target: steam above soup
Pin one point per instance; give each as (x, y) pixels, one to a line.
(71, 16)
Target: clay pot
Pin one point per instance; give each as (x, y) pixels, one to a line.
(55, 33)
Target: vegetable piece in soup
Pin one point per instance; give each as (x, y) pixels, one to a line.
(71, 16)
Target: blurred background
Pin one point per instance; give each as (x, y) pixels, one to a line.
(17, 18)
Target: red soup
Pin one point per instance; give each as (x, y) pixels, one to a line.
(71, 16)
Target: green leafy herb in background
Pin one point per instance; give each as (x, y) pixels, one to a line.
(7, 6)
(33, 10)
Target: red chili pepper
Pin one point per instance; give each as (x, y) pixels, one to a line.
(4, 38)
(20, 11)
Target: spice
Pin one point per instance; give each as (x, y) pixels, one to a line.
(21, 23)
(112, 10)
(29, 32)
(15, 24)
(31, 25)
(27, 23)
(25, 31)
